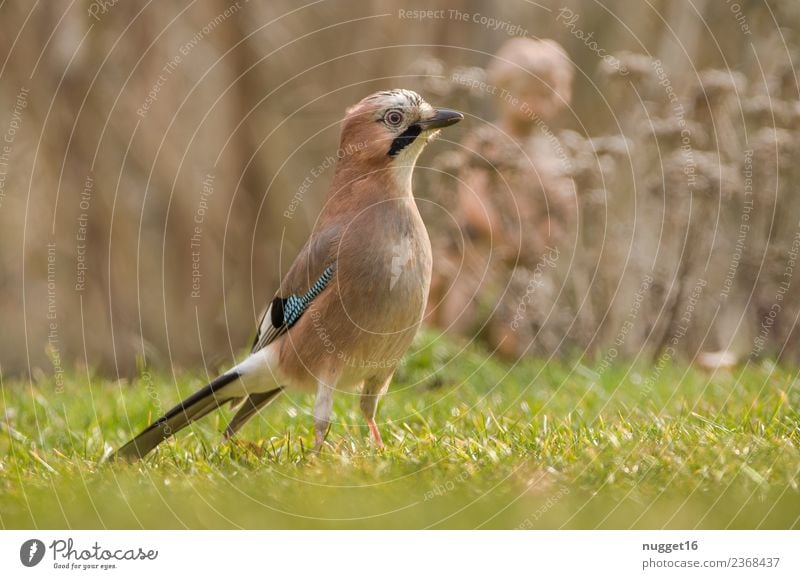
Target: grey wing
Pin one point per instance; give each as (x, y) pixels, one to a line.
(309, 275)
(283, 313)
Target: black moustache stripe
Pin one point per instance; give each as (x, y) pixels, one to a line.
(404, 139)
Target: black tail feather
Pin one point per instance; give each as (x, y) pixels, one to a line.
(252, 404)
(193, 408)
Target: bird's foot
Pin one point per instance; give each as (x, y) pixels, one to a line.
(318, 442)
(376, 434)
(320, 434)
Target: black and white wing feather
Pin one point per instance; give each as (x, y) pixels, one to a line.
(284, 312)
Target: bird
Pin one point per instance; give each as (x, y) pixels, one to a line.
(350, 304)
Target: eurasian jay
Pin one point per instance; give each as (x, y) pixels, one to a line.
(350, 304)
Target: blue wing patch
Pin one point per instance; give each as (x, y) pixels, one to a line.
(284, 312)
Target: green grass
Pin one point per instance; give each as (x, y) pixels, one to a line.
(471, 442)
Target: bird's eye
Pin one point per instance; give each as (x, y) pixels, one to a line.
(394, 118)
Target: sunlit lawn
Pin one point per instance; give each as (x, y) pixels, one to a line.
(471, 442)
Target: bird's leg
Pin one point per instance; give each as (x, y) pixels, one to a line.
(374, 388)
(376, 434)
(323, 406)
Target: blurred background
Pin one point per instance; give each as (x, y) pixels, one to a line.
(162, 163)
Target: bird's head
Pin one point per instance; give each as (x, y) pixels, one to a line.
(389, 129)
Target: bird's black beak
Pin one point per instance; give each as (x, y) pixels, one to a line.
(441, 118)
